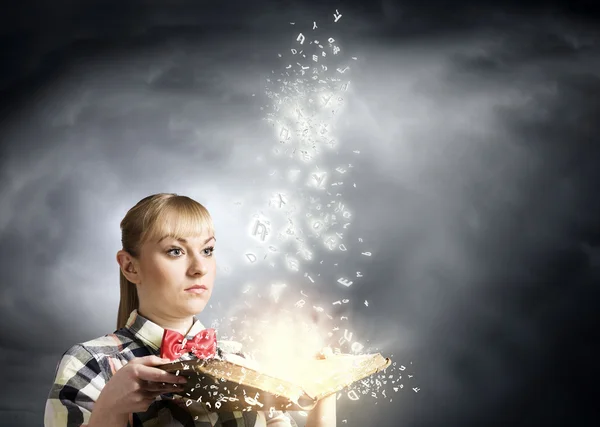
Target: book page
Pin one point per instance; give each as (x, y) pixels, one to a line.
(324, 377)
(321, 377)
(304, 384)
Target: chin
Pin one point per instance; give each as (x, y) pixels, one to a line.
(197, 307)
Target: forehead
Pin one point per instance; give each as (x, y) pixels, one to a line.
(182, 228)
(192, 239)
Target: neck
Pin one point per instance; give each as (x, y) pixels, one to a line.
(179, 324)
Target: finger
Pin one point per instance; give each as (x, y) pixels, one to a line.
(151, 360)
(161, 387)
(164, 389)
(148, 373)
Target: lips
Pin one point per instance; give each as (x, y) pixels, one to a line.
(202, 287)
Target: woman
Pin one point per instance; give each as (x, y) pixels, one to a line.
(167, 270)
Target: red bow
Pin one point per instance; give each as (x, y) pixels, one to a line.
(174, 344)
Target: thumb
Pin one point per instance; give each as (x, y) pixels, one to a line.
(151, 360)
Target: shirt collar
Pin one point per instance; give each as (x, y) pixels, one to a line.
(151, 333)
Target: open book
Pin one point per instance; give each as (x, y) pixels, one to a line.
(224, 385)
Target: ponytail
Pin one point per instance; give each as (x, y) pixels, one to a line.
(129, 300)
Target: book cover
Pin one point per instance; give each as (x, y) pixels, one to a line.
(232, 385)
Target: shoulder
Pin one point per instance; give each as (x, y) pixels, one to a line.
(109, 344)
(100, 347)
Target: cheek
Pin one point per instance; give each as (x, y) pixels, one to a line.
(212, 269)
(157, 273)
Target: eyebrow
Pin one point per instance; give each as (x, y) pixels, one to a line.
(182, 240)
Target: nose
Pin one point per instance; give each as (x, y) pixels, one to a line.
(198, 266)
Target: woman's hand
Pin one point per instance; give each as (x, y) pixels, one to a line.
(324, 413)
(133, 388)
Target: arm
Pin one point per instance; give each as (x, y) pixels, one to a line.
(77, 385)
(323, 414)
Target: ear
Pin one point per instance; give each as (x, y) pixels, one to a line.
(129, 266)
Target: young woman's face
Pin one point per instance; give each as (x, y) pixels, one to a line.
(169, 271)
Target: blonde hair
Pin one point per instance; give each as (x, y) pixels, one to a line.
(153, 217)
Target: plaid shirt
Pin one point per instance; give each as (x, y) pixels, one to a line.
(85, 368)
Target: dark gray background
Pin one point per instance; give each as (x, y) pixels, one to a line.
(476, 191)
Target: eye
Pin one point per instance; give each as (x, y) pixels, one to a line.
(174, 249)
(209, 250)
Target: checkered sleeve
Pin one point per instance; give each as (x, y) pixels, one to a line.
(77, 384)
